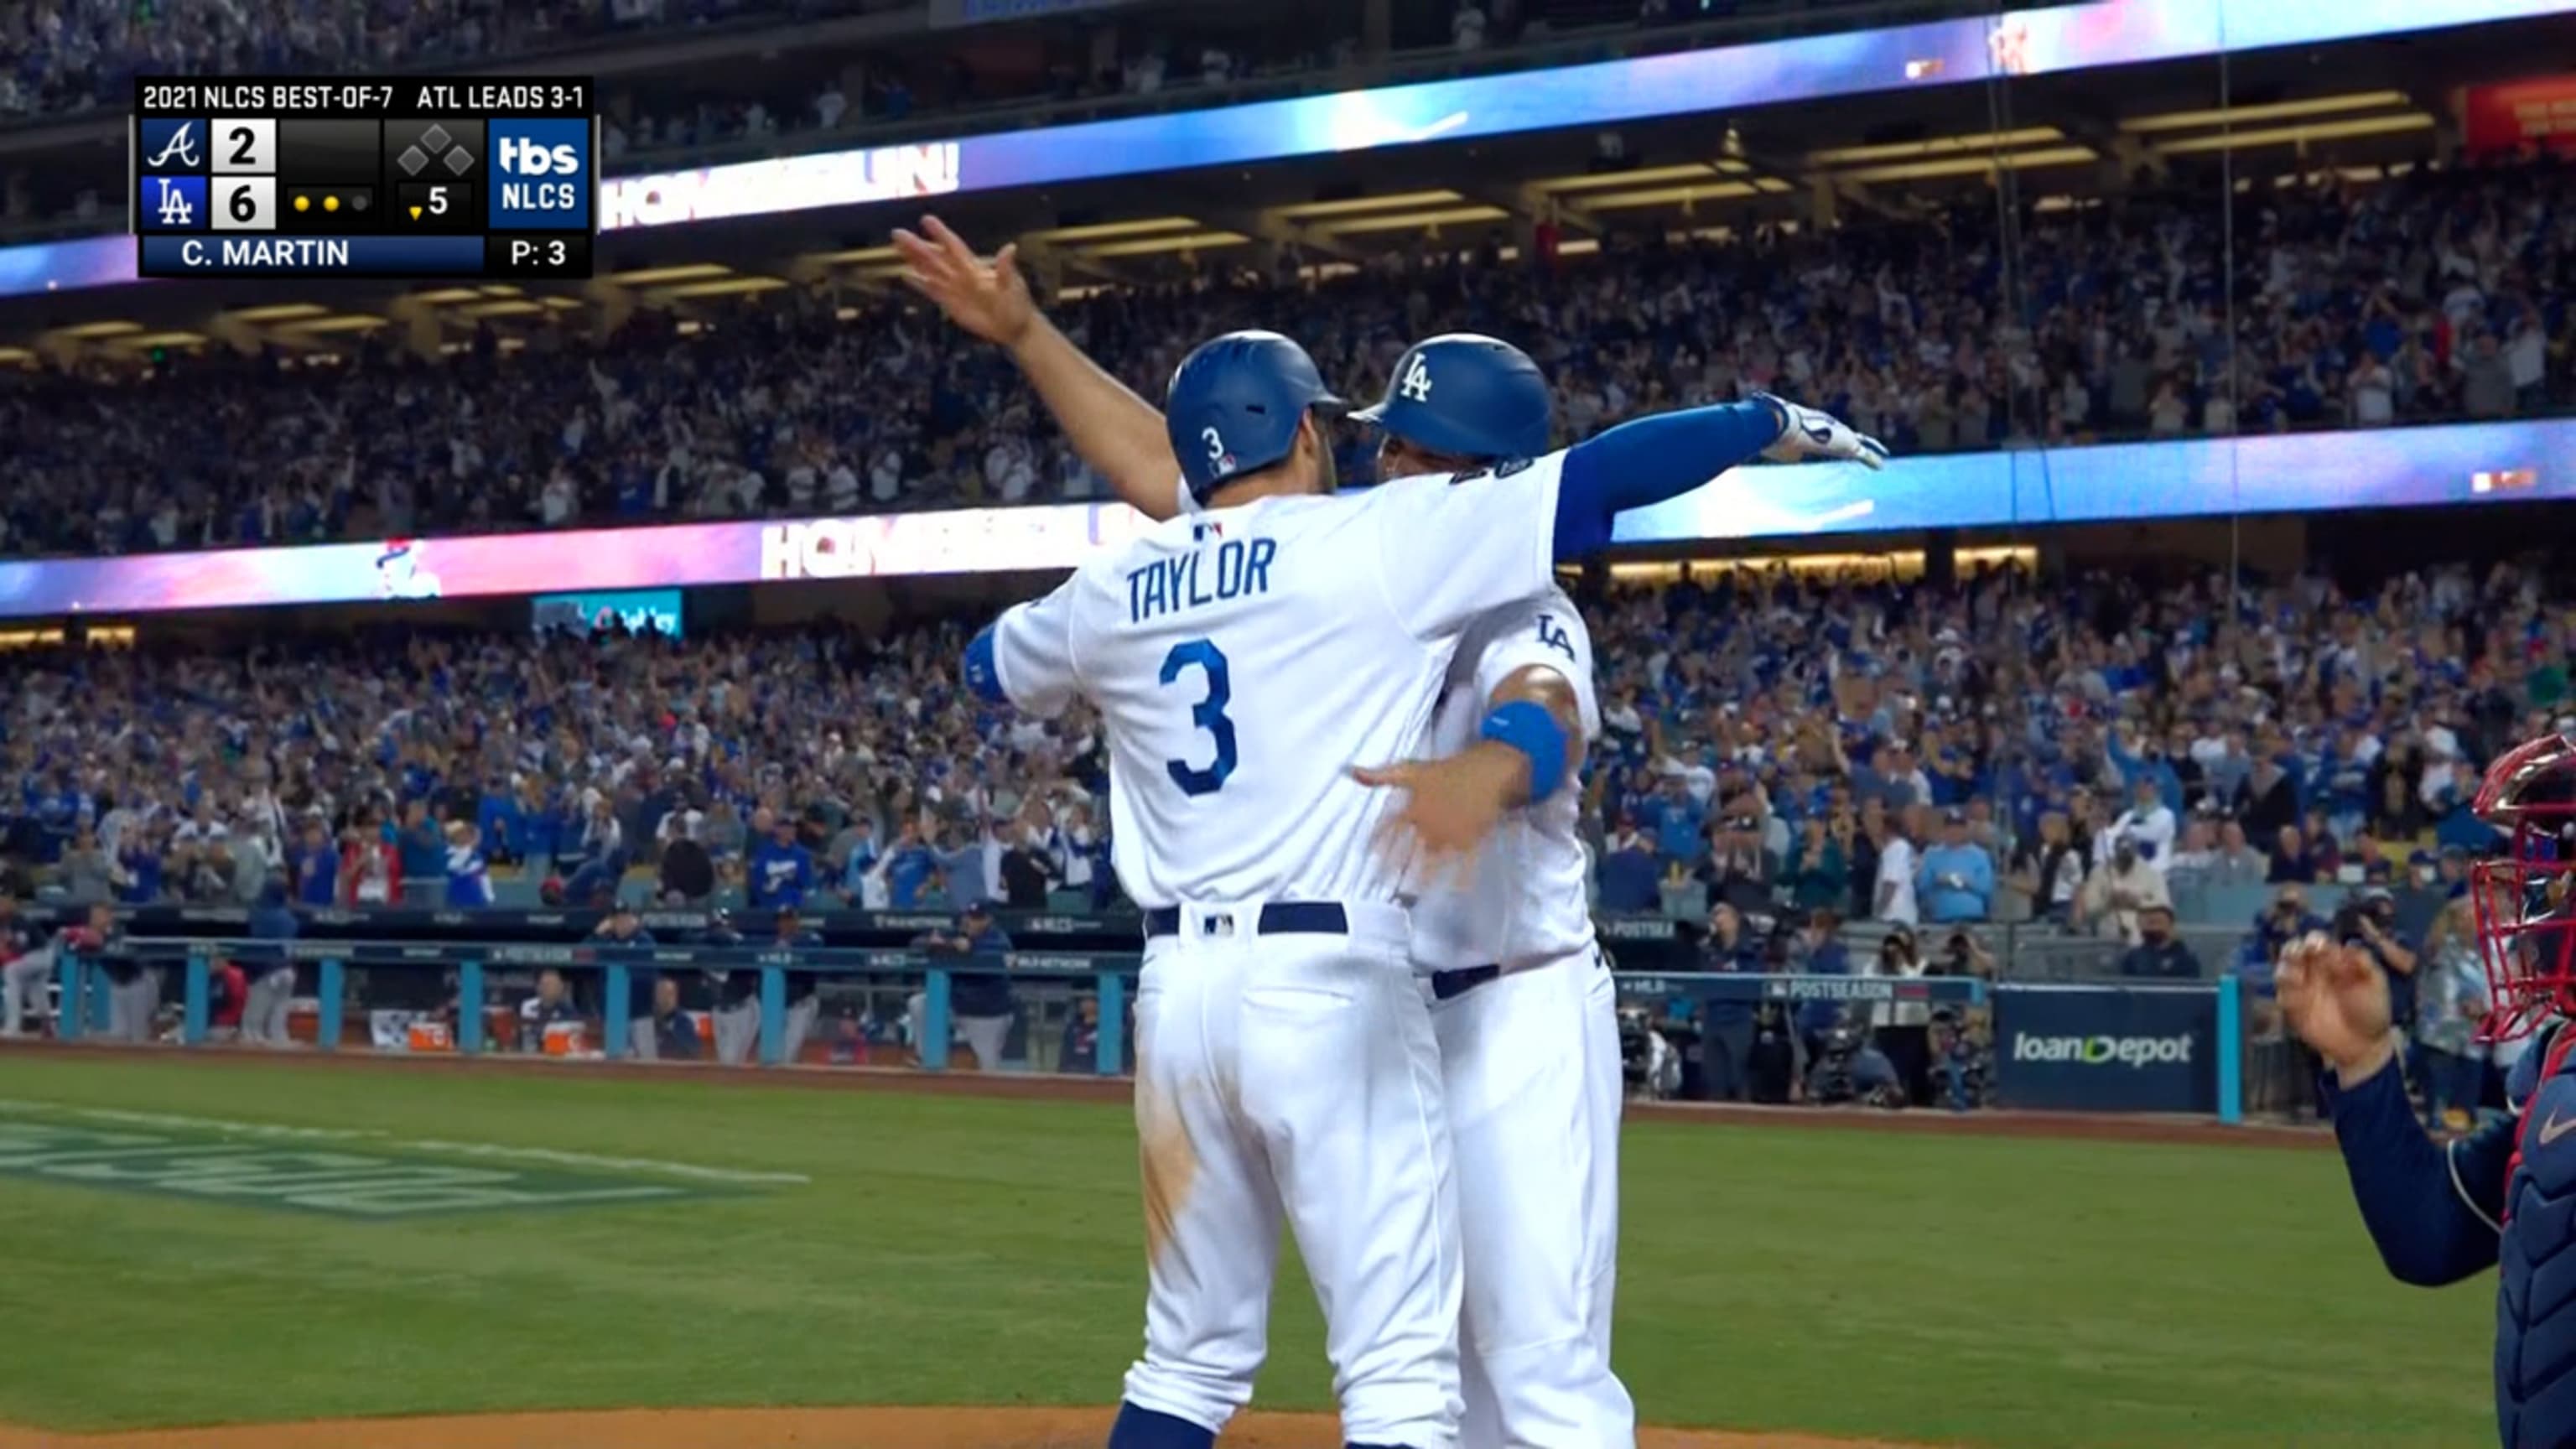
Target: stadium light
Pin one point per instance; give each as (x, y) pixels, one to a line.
(1197, 241)
(1107, 230)
(1972, 165)
(1978, 144)
(1354, 206)
(729, 287)
(1411, 220)
(2276, 111)
(658, 276)
(2298, 135)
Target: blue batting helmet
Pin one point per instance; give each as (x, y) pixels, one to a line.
(1235, 404)
(1466, 396)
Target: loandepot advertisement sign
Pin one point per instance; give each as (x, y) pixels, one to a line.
(2148, 1048)
(2104, 1051)
(347, 1174)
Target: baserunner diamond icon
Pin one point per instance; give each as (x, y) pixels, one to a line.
(459, 161)
(411, 160)
(435, 138)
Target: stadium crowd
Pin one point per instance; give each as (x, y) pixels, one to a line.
(1776, 744)
(2441, 295)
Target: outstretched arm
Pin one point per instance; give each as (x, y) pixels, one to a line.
(1118, 433)
(1646, 461)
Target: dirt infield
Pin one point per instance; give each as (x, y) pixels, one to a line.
(790, 1429)
(1989, 1123)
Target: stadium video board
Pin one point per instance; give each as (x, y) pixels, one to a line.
(2283, 473)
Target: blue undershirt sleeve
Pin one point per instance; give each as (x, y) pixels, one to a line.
(1648, 460)
(2431, 1209)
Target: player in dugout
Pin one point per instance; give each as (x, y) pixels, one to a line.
(2505, 1195)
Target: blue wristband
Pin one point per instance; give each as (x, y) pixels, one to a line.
(1532, 730)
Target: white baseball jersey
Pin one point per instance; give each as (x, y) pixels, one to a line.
(1245, 658)
(1525, 899)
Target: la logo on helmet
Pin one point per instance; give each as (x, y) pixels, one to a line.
(1417, 382)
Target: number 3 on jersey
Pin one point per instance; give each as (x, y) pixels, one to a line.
(1208, 714)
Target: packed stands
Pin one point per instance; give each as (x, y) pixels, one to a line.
(2440, 295)
(1771, 741)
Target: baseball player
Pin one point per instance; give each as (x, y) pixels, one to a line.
(1522, 1003)
(26, 960)
(401, 573)
(737, 994)
(791, 935)
(1347, 613)
(2500, 1196)
(133, 988)
(269, 978)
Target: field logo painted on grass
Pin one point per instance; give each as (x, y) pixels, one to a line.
(342, 1172)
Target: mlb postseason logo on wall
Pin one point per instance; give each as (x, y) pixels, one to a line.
(541, 174)
(2107, 1048)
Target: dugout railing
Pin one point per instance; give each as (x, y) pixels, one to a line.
(2124, 1046)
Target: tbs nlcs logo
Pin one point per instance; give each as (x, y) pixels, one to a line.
(541, 175)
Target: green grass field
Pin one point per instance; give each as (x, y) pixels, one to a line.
(946, 1250)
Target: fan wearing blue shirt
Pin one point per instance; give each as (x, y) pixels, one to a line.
(1628, 874)
(781, 869)
(2344, 777)
(469, 877)
(1677, 819)
(911, 871)
(314, 863)
(1956, 880)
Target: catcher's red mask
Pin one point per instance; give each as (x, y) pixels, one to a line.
(2526, 911)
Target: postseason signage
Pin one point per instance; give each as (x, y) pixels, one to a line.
(2107, 1048)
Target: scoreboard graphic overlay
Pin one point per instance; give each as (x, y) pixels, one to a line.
(416, 177)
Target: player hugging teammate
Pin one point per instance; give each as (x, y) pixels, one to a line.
(1409, 1091)
(2504, 1196)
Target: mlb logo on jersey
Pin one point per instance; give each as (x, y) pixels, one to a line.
(171, 203)
(166, 145)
